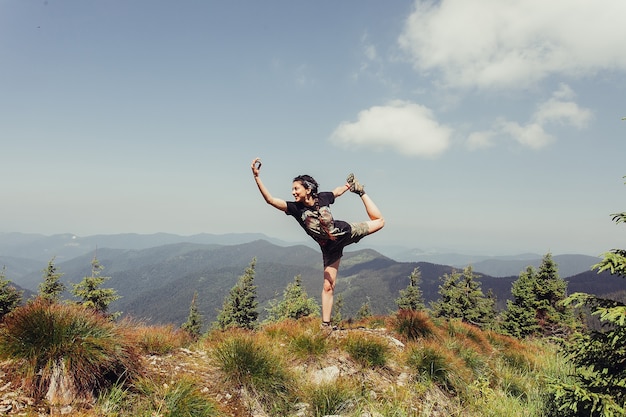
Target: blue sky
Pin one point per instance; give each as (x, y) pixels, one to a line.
(479, 126)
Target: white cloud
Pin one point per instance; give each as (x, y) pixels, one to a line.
(557, 109)
(514, 43)
(531, 135)
(480, 140)
(370, 52)
(405, 127)
(565, 112)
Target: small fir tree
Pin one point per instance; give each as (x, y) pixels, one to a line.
(461, 297)
(449, 294)
(194, 322)
(555, 318)
(51, 288)
(90, 292)
(490, 312)
(240, 308)
(365, 310)
(520, 317)
(10, 297)
(337, 310)
(411, 297)
(537, 307)
(295, 303)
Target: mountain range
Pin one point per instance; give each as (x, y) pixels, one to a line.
(157, 275)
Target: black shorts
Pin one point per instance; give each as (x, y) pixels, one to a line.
(332, 250)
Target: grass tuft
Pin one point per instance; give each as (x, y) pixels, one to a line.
(247, 363)
(368, 351)
(309, 344)
(413, 325)
(433, 362)
(160, 340)
(331, 398)
(66, 352)
(180, 399)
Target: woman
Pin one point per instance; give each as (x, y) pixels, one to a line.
(312, 211)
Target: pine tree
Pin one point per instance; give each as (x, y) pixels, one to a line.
(365, 310)
(240, 308)
(597, 387)
(411, 297)
(537, 307)
(520, 317)
(553, 316)
(194, 323)
(490, 313)
(51, 288)
(90, 293)
(337, 310)
(449, 295)
(10, 297)
(295, 303)
(461, 297)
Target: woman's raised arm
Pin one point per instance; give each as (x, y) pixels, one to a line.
(272, 201)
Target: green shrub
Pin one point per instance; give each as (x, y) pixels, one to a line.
(66, 351)
(295, 303)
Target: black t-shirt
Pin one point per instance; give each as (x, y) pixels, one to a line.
(318, 223)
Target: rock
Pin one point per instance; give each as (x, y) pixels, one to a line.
(328, 374)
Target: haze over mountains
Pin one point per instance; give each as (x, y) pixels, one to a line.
(157, 275)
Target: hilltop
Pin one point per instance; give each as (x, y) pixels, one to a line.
(294, 369)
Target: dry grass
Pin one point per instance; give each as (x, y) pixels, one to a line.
(404, 365)
(65, 352)
(157, 340)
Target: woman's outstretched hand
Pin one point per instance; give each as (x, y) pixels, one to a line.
(256, 166)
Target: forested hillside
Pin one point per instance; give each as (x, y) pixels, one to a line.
(157, 284)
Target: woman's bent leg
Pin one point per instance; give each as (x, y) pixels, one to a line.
(377, 221)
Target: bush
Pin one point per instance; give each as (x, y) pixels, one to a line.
(66, 352)
(295, 303)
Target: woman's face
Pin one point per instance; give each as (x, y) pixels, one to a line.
(298, 192)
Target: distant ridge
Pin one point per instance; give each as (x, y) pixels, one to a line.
(158, 283)
(66, 246)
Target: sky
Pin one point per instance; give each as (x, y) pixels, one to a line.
(482, 126)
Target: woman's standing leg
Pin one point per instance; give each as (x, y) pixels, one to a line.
(330, 277)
